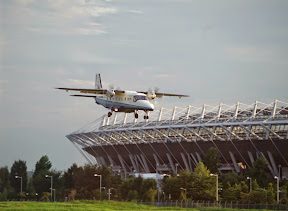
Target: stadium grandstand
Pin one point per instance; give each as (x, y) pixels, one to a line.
(178, 138)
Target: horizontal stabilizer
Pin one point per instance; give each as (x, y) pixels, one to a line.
(83, 96)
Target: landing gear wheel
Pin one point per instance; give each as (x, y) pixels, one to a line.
(146, 117)
(109, 114)
(136, 116)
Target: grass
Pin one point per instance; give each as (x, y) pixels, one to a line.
(94, 205)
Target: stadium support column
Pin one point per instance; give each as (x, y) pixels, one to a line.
(185, 161)
(274, 109)
(272, 161)
(133, 163)
(237, 168)
(269, 166)
(123, 165)
(203, 113)
(173, 113)
(236, 111)
(171, 163)
(251, 157)
(145, 163)
(160, 114)
(125, 118)
(188, 112)
(103, 121)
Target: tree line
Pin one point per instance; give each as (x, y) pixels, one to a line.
(83, 182)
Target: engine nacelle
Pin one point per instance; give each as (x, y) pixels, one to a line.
(110, 93)
(151, 95)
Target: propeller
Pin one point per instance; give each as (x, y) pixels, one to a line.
(151, 94)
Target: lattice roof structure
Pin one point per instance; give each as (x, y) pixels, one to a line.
(178, 138)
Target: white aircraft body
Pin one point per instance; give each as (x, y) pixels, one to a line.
(122, 100)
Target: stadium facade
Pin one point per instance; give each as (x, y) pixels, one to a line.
(178, 138)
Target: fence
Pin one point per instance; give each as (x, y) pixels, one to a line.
(233, 205)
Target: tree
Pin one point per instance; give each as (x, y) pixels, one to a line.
(212, 160)
(203, 184)
(19, 168)
(149, 195)
(260, 172)
(4, 178)
(42, 165)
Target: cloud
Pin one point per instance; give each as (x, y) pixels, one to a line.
(78, 83)
(251, 54)
(135, 11)
(61, 16)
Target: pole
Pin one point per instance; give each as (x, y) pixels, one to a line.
(217, 187)
(21, 185)
(216, 175)
(51, 188)
(250, 183)
(277, 189)
(99, 175)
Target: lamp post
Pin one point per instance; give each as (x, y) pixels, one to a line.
(216, 175)
(51, 185)
(277, 189)
(99, 175)
(185, 191)
(250, 182)
(109, 193)
(17, 177)
(177, 164)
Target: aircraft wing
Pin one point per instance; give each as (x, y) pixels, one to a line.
(158, 94)
(91, 91)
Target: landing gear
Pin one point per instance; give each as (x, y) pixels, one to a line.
(136, 115)
(109, 114)
(146, 115)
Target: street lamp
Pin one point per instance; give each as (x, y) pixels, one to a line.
(185, 191)
(17, 177)
(51, 185)
(177, 164)
(99, 175)
(216, 175)
(250, 182)
(109, 193)
(277, 188)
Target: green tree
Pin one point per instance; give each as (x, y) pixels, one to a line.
(42, 165)
(4, 178)
(260, 172)
(150, 195)
(19, 168)
(147, 184)
(212, 160)
(132, 195)
(203, 185)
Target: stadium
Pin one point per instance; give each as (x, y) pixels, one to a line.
(178, 138)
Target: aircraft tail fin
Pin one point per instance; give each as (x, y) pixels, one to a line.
(98, 83)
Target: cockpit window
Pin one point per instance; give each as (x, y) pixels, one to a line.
(139, 97)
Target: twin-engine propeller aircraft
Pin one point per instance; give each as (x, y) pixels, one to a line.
(122, 100)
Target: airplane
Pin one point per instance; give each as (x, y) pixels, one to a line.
(122, 100)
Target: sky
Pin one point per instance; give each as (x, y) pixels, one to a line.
(215, 51)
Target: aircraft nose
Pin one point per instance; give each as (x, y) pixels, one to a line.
(151, 106)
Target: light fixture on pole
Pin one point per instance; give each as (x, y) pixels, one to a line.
(250, 182)
(185, 191)
(277, 189)
(177, 164)
(51, 185)
(216, 175)
(109, 193)
(99, 175)
(17, 177)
